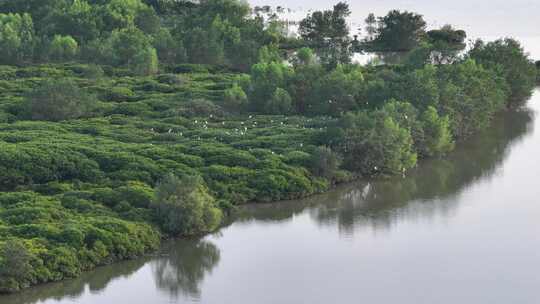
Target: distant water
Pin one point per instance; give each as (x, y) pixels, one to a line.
(486, 19)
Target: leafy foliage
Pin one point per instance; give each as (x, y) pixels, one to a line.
(375, 143)
(399, 31)
(58, 100)
(52, 238)
(235, 98)
(63, 48)
(17, 38)
(15, 267)
(508, 57)
(446, 43)
(280, 103)
(328, 34)
(184, 206)
(325, 162)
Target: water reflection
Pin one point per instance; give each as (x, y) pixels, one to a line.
(177, 270)
(92, 282)
(183, 265)
(432, 188)
(429, 190)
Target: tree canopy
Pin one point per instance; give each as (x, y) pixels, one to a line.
(58, 100)
(184, 206)
(399, 31)
(327, 32)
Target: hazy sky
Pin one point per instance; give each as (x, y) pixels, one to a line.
(480, 18)
(483, 17)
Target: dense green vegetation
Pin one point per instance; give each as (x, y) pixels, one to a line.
(184, 206)
(125, 121)
(537, 63)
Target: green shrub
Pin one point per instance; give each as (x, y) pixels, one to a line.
(190, 68)
(137, 194)
(470, 96)
(235, 98)
(507, 57)
(132, 109)
(17, 38)
(298, 158)
(324, 162)
(183, 206)
(15, 268)
(437, 133)
(171, 79)
(146, 62)
(57, 100)
(373, 143)
(120, 94)
(63, 48)
(201, 107)
(8, 72)
(280, 103)
(93, 71)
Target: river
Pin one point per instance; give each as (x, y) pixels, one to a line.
(463, 229)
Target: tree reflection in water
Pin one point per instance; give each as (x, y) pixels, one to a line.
(178, 270)
(427, 191)
(95, 282)
(184, 265)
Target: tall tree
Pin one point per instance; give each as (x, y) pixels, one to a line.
(371, 26)
(78, 19)
(508, 57)
(184, 206)
(17, 38)
(446, 43)
(118, 14)
(373, 143)
(63, 48)
(399, 31)
(130, 47)
(266, 78)
(15, 268)
(328, 34)
(38, 9)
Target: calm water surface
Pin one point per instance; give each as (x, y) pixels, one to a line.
(465, 229)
